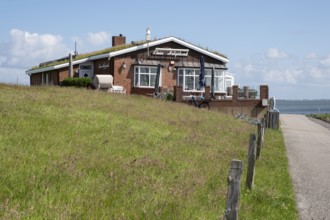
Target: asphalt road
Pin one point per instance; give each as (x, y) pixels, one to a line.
(308, 148)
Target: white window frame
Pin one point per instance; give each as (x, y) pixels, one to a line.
(218, 77)
(229, 81)
(138, 73)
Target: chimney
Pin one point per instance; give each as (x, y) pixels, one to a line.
(118, 40)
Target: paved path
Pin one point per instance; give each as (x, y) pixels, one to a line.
(308, 150)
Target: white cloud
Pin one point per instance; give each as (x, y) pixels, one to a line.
(300, 74)
(249, 68)
(311, 56)
(274, 53)
(288, 76)
(326, 62)
(2, 60)
(24, 50)
(99, 38)
(28, 49)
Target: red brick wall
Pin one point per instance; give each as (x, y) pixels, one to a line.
(99, 68)
(178, 93)
(123, 77)
(64, 73)
(250, 107)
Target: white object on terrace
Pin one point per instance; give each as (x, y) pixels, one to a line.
(105, 82)
(118, 89)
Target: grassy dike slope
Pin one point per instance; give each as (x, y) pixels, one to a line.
(69, 153)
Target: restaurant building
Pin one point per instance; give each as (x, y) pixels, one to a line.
(134, 66)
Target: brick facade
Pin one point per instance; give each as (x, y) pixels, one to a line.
(125, 76)
(102, 67)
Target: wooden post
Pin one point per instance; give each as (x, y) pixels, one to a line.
(234, 179)
(70, 66)
(266, 119)
(235, 93)
(276, 120)
(259, 140)
(263, 124)
(270, 120)
(251, 162)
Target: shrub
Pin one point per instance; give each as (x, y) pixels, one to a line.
(77, 82)
(169, 97)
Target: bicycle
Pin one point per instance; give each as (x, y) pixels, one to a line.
(203, 104)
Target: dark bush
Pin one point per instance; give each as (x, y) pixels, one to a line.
(77, 82)
(169, 97)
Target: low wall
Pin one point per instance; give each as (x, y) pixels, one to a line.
(234, 105)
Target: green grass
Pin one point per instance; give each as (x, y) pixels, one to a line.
(70, 153)
(323, 117)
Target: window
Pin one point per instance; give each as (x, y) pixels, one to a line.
(188, 78)
(145, 76)
(229, 83)
(85, 67)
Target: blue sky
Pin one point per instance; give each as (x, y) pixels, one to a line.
(284, 44)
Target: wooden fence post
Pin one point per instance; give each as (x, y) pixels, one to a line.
(276, 120)
(234, 179)
(263, 125)
(270, 120)
(259, 140)
(266, 120)
(251, 162)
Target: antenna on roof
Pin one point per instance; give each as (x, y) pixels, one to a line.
(148, 38)
(75, 49)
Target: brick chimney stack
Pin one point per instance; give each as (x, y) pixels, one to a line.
(118, 40)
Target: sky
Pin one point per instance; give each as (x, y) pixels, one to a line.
(284, 44)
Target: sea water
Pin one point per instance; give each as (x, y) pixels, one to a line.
(303, 107)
